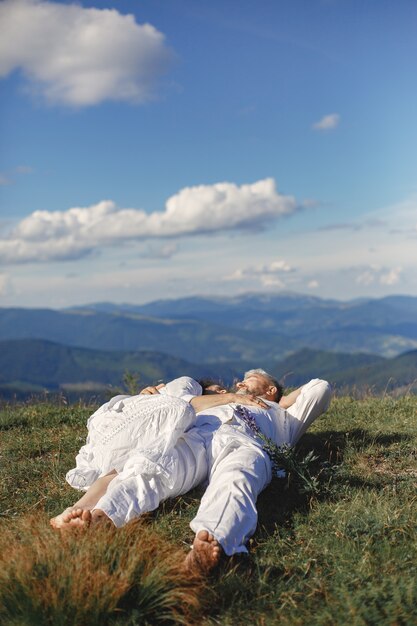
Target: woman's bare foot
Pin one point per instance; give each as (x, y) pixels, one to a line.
(205, 555)
(72, 518)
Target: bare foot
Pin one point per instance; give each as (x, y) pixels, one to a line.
(72, 518)
(205, 555)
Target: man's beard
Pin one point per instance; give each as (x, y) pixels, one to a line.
(242, 391)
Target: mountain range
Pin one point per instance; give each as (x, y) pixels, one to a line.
(361, 342)
(209, 330)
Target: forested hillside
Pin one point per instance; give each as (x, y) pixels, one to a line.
(33, 365)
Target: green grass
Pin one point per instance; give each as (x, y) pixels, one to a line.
(347, 555)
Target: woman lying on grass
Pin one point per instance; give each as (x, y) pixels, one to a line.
(140, 429)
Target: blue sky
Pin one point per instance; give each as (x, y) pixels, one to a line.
(175, 147)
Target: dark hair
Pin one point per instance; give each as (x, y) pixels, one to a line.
(207, 382)
(280, 391)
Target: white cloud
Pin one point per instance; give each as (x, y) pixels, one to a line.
(278, 266)
(72, 234)
(269, 275)
(272, 281)
(4, 180)
(365, 278)
(328, 122)
(313, 284)
(79, 57)
(392, 277)
(375, 274)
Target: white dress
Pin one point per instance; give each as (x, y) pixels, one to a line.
(143, 427)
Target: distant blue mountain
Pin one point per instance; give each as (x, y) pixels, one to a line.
(238, 329)
(385, 326)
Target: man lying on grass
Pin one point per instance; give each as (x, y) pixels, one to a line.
(219, 444)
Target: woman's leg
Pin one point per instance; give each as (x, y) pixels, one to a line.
(138, 490)
(79, 514)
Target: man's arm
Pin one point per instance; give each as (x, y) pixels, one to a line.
(287, 401)
(200, 403)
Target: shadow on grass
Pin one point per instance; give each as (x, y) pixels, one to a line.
(180, 505)
(330, 445)
(7, 422)
(281, 500)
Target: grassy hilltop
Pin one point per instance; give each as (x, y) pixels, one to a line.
(345, 554)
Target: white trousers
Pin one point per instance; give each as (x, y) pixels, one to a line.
(236, 466)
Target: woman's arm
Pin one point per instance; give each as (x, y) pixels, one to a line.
(151, 390)
(200, 403)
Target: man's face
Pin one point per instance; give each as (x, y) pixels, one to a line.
(255, 384)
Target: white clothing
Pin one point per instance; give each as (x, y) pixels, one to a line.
(184, 387)
(241, 469)
(148, 425)
(223, 448)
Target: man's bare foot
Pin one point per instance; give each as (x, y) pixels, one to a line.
(72, 518)
(205, 555)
